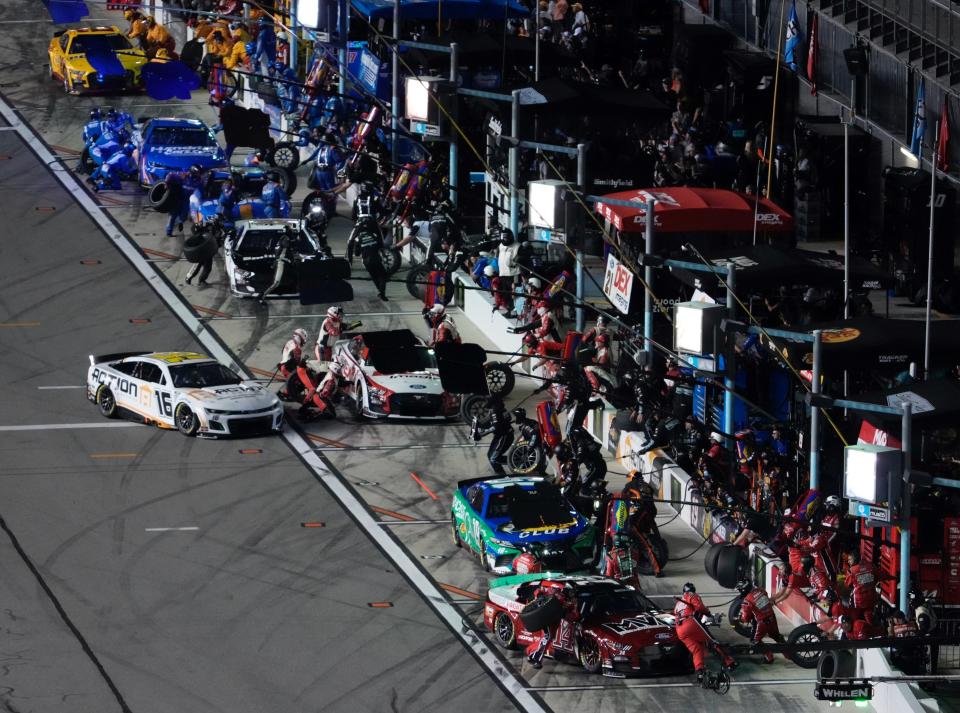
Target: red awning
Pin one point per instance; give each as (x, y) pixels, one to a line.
(686, 210)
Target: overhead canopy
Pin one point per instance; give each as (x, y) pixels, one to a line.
(874, 343)
(590, 97)
(445, 9)
(683, 210)
(934, 403)
(764, 266)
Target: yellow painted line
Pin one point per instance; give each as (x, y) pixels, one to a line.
(113, 455)
(19, 324)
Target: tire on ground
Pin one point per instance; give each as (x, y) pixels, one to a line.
(807, 633)
(541, 613)
(710, 560)
(836, 664)
(198, 248)
(159, 197)
(473, 405)
(416, 282)
(500, 379)
(730, 563)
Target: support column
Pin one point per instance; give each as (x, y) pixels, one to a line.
(815, 413)
(578, 252)
(906, 504)
(453, 132)
(648, 278)
(730, 372)
(514, 163)
(395, 83)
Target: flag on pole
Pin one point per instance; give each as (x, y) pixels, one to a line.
(919, 121)
(943, 138)
(794, 44)
(812, 56)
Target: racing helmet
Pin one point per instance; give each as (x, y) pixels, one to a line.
(744, 587)
(689, 587)
(542, 310)
(128, 149)
(278, 66)
(112, 114)
(716, 437)
(162, 53)
(300, 335)
(561, 451)
(828, 595)
(832, 503)
(488, 271)
(534, 283)
(437, 311)
(602, 320)
(335, 368)
(506, 236)
(317, 218)
(128, 15)
(195, 170)
(519, 413)
(95, 114)
(844, 620)
(335, 312)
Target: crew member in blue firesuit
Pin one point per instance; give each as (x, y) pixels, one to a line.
(273, 197)
(227, 202)
(288, 87)
(120, 166)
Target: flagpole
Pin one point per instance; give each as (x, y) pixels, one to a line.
(773, 117)
(933, 191)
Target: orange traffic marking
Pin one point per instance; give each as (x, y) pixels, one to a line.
(113, 455)
(424, 486)
(466, 593)
(391, 513)
(313, 524)
(379, 605)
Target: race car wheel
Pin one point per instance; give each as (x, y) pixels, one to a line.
(455, 532)
(541, 613)
(286, 178)
(474, 406)
(805, 634)
(589, 655)
(710, 560)
(417, 282)
(733, 615)
(731, 564)
(186, 419)
(106, 403)
(285, 155)
(86, 162)
(484, 560)
(500, 379)
(504, 632)
(159, 197)
(391, 260)
(524, 458)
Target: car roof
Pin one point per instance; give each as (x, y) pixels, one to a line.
(267, 223)
(174, 358)
(101, 30)
(174, 121)
(525, 482)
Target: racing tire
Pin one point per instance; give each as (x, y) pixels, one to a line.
(474, 406)
(484, 560)
(198, 248)
(710, 560)
(588, 654)
(733, 616)
(391, 260)
(286, 178)
(228, 83)
(500, 378)
(525, 458)
(187, 422)
(836, 664)
(159, 197)
(106, 402)
(284, 155)
(295, 390)
(541, 613)
(731, 564)
(659, 547)
(455, 533)
(416, 282)
(87, 164)
(805, 634)
(504, 631)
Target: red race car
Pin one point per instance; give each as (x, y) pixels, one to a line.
(607, 627)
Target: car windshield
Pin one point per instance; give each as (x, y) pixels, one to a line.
(402, 360)
(181, 136)
(189, 376)
(543, 506)
(611, 601)
(82, 44)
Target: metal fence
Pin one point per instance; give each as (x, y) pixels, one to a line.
(949, 656)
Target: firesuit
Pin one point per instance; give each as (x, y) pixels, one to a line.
(178, 207)
(500, 426)
(273, 197)
(443, 330)
(328, 162)
(285, 254)
(536, 650)
(321, 395)
(330, 331)
(757, 609)
(288, 87)
(863, 588)
(367, 240)
(693, 634)
(110, 173)
(598, 373)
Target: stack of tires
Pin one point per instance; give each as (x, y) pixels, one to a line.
(726, 564)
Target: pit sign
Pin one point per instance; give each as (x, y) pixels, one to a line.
(618, 284)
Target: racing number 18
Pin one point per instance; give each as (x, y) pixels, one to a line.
(163, 403)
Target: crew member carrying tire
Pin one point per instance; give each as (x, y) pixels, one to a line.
(537, 649)
(330, 331)
(757, 610)
(694, 635)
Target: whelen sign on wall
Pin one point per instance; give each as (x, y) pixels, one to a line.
(618, 284)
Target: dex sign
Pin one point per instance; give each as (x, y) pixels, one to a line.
(618, 284)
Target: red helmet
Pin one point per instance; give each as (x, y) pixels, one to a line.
(527, 564)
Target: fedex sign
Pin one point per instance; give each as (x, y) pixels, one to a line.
(618, 284)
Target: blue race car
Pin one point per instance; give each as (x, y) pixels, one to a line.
(249, 182)
(502, 518)
(175, 145)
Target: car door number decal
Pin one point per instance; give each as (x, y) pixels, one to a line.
(164, 405)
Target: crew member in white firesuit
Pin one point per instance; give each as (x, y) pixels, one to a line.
(329, 333)
(290, 357)
(319, 396)
(443, 330)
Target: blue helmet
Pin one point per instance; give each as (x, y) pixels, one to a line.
(95, 114)
(250, 47)
(112, 114)
(278, 66)
(129, 148)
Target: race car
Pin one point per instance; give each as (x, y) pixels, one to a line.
(190, 392)
(170, 144)
(95, 59)
(250, 258)
(499, 519)
(391, 375)
(619, 632)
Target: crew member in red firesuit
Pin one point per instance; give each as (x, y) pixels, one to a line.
(818, 580)
(321, 395)
(543, 334)
(598, 373)
(502, 300)
(715, 463)
(862, 581)
(290, 357)
(601, 328)
(536, 650)
(826, 532)
(757, 609)
(694, 635)
(855, 629)
(330, 332)
(443, 330)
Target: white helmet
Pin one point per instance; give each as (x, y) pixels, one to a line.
(716, 437)
(335, 312)
(833, 501)
(437, 310)
(300, 336)
(534, 283)
(488, 271)
(542, 311)
(335, 368)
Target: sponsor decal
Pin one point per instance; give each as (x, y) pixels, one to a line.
(840, 335)
(417, 386)
(177, 357)
(633, 624)
(547, 530)
(769, 219)
(618, 284)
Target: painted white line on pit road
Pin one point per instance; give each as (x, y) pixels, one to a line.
(393, 523)
(51, 388)
(308, 316)
(620, 686)
(339, 449)
(171, 529)
(68, 426)
(510, 682)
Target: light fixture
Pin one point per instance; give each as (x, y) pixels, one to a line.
(695, 327)
(417, 92)
(308, 13)
(868, 472)
(912, 161)
(544, 206)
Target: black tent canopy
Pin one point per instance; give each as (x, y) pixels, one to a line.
(935, 403)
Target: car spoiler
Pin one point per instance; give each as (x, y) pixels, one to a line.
(485, 478)
(512, 579)
(100, 358)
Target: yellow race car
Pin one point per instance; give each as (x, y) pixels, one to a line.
(95, 59)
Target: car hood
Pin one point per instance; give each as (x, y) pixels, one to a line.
(80, 63)
(420, 382)
(503, 529)
(641, 628)
(243, 397)
(185, 156)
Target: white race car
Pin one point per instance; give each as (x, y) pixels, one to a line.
(190, 392)
(391, 374)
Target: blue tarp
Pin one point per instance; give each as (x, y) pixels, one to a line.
(448, 9)
(102, 59)
(64, 11)
(169, 80)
